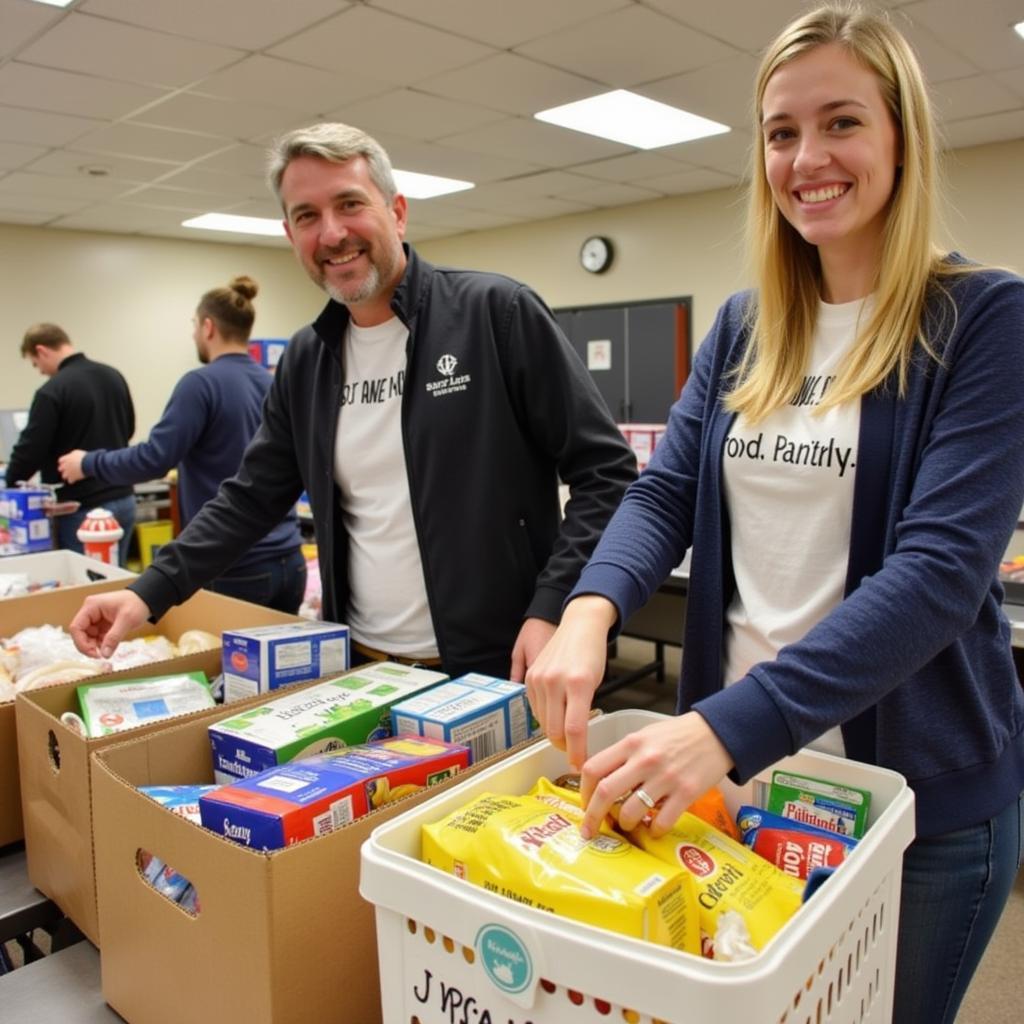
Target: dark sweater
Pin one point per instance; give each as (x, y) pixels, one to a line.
(83, 405)
(211, 416)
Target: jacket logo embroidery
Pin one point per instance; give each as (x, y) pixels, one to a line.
(449, 383)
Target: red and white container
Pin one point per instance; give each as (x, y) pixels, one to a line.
(99, 535)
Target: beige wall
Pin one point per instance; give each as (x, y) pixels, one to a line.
(127, 300)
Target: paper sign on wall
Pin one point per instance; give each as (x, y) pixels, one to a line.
(599, 355)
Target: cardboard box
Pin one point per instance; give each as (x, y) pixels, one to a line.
(60, 570)
(353, 708)
(280, 937)
(54, 760)
(56, 607)
(266, 658)
(485, 713)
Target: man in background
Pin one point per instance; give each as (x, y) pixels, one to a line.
(82, 404)
(211, 416)
(429, 413)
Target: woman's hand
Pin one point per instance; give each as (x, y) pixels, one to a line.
(561, 682)
(671, 762)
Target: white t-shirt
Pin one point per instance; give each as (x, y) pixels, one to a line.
(387, 606)
(789, 490)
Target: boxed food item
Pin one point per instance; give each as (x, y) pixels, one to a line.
(116, 706)
(30, 536)
(485, 713)
(353, 708)
(54, 759)
(278, 937)
(24, 503)
(263, 658)
(320, 794)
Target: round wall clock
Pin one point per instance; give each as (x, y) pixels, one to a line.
(596, 254)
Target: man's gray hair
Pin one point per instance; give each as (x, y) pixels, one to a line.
(336, 143)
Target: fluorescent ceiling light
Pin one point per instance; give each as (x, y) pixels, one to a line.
(56, 3)
(425, 186)
(232, 222)
(627, 117)
(1019, 29)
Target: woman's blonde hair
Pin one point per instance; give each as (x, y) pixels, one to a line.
(787, 268)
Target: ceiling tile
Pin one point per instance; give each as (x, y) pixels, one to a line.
(629, 168)
(52, 205)
(627, 47)
(111, 50)
(239, 159)
(237, 186)
(70, 162)
(414, 114)
(1013, 80)
(720, 91)
(268, 208)
(80, 187)
(34, 217)
(686, 181)
(139, 140)
(730, 152)
(500, 24)
(972, 97)
(745, 25)
(42, 128)
(175, 198)
(435, 213)
(64, 92)
(512, 83)
(378, 45)
(536, 141)
(291, 86)
(20, 22)
(249, 24)
(613, 193)
(981, 32)
(451, 160)
(977, 131)
(232, 119)
(16, 154)
(121, 218)
(939, 62)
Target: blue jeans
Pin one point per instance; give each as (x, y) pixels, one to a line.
(954, 889)
(122, 509)
(278, 582)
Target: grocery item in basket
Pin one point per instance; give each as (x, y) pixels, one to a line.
(114, 707)
(531, 851)
(316, 795)
(728, 876)
(813, 801)
(792, 846)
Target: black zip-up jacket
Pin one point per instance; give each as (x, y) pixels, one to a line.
(83, 405)
(496, 407)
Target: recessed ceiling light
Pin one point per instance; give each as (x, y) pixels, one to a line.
(1019, 29)
(56, 3)
(425, 186)
(235, 223)
(627, 117)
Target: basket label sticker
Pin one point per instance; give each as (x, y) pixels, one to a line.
(505, 958)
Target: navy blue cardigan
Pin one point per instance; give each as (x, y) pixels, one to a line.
(915, 663)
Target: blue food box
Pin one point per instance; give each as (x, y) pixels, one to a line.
(319, 794)
(22, 503)
(265, 658)
(484, 713)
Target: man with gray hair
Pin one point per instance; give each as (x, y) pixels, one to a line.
(429, 413)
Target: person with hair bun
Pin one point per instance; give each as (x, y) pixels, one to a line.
(211, 416)
(845, 462)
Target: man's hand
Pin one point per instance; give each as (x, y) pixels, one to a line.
(104, 620)
(70, 466)
(531, 641)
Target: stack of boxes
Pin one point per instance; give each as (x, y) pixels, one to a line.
(24, 525)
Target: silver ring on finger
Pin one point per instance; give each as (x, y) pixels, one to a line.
(644, 798)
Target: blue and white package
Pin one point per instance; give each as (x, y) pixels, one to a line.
(481, 712)
(264, 658)
(181, 800)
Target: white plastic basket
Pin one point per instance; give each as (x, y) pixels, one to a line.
(451, 952)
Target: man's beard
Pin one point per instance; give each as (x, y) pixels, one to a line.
(367, 289)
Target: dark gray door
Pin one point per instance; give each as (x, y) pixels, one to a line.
(651, 374)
